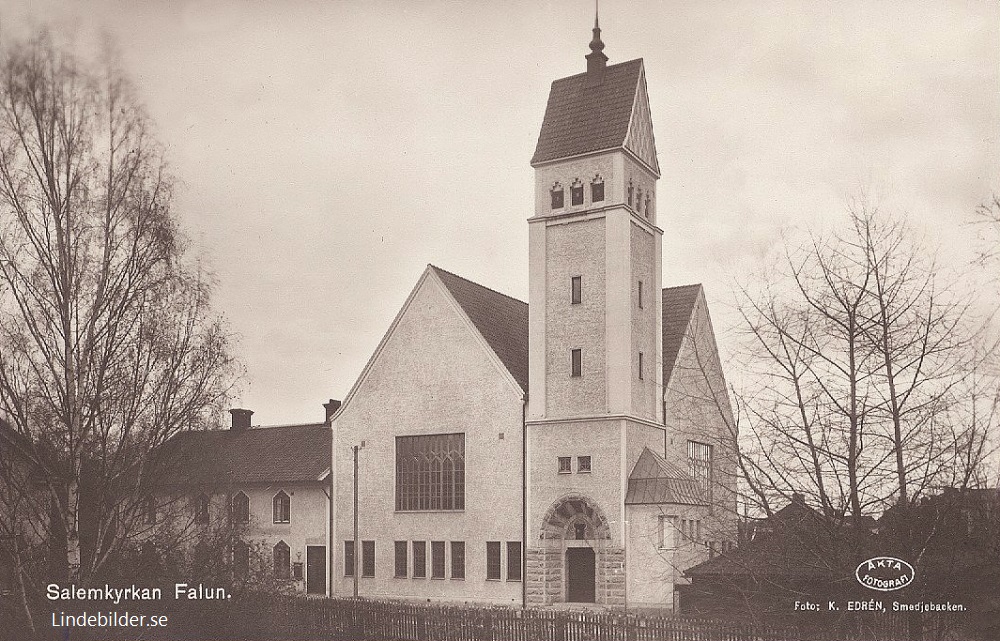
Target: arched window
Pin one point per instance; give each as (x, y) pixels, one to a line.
(282, 560)
(201, 509)
(649, 206)
(557, 196)
(282, 507)
(638, 200)
(241, 508)
(631, 190)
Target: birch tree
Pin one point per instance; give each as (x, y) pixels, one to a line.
(108, 344)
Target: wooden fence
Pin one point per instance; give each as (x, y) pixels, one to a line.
(346, 619)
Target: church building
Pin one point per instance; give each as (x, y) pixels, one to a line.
(575, 449)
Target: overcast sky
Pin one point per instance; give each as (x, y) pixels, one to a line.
(329, 151)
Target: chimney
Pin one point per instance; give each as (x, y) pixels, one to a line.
(241, 419)
(331, 409)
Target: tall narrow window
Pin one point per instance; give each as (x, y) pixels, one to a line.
(640, 366)
(630, 192)
(401, 563)
(437, 559)
(640, 294)
(638, 199)
(513, 560)
(557, 196)
(597, 190)
(201, 509)
(348, 558)
(493, 560)
(576, 363)
(281, 507)
(649, 206)
(576, 193)
(667, 532)
(430, 472)
(700, 462)
(241, 508)
(419, 559)
(368, 558)
(282, 558)
(458, 559)
(576, 289)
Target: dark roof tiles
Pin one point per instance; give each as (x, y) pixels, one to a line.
(583, 117)
(678, 306)
(294, 453)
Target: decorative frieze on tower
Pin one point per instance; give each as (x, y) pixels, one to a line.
(595, 340)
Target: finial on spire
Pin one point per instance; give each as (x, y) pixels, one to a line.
(596, 60)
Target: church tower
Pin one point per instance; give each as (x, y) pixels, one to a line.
(595, 328)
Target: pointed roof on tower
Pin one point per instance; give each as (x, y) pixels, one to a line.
(602, 109)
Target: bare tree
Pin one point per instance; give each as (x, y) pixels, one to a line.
(870, 380)
(108, 345)
(986, 219)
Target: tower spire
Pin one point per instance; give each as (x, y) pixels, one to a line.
(596, 60)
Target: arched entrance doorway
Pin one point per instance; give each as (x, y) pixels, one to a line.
(574, 561)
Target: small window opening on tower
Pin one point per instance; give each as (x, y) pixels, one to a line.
(576, 193)
(577, 290)
(640, 366)
(565, 464)
(631, 190)
(649, 206)
(557, 196)
(638, 199)
(583, 464)
(576, 362)
(597, 189)
(640, 294)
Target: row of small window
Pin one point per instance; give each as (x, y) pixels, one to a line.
(566, 464)
(576, 364)
(576, 291)
(635, 195)
(674, 531)
(239, 509)
(576, 192)
(403, 569)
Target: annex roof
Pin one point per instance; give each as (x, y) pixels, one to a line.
(294, 453)
(583, 116)
(501, 320)
(678, 306)
(654, 481)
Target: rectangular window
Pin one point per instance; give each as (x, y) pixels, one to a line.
(430, 472)
(557, 198)
(401, 564)
(640, 366)
(597, 192)
(419, 559)
(348, 558)
(583, 464)
(576, 192)
(667, 532)
(513, 560)
(576, 362)
(640, 294)
(700, 462)
(437, 559)
(368, 558)
(493, 560)
(458, 559)
(577, 290)
(565, 464)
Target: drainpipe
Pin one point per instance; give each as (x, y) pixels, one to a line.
(524, 501)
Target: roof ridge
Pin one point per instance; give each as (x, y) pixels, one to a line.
(472, 282)
(584, 73)
(676, 287)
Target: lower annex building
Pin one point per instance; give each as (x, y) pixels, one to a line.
(578, 449)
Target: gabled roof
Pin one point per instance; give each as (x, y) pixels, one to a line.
(501, 320)
(654, 481)
(293, 453)
(678, 306)
(583, 116)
